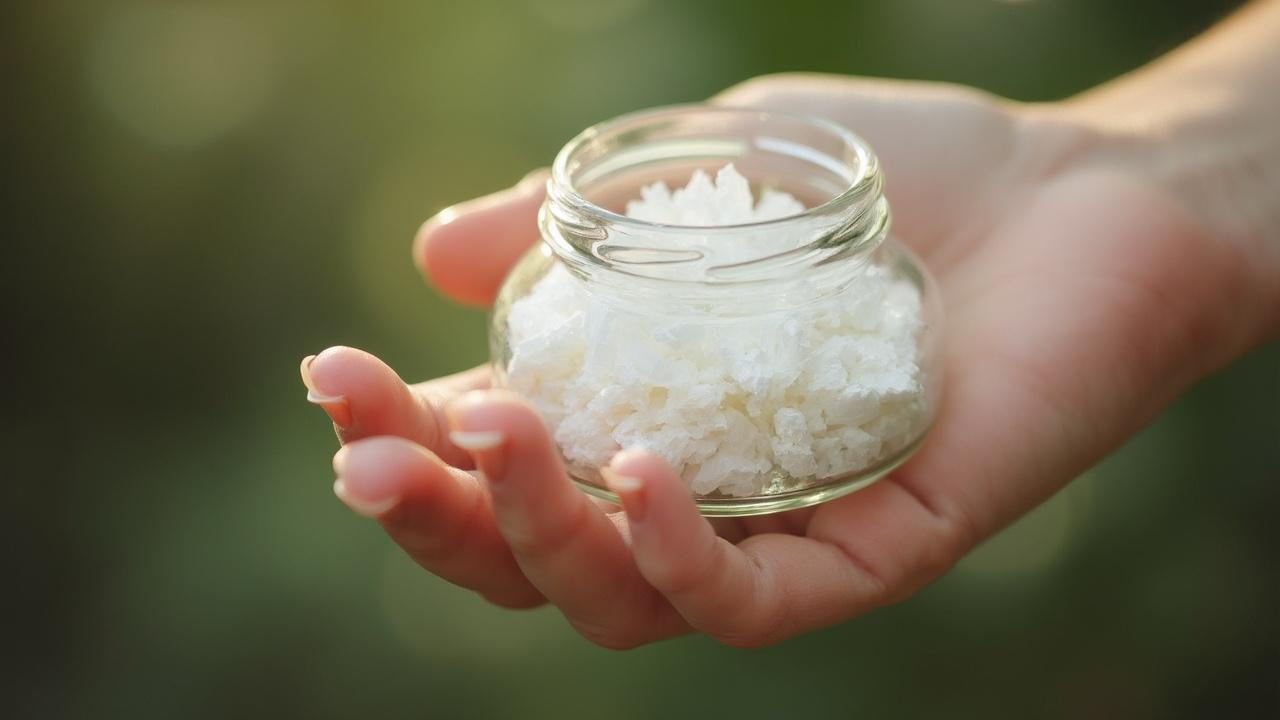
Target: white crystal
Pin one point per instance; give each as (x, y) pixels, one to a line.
(815, 393)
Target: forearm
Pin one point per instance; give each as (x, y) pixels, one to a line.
(1204, 124)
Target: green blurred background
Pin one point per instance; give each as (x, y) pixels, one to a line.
(203, 192)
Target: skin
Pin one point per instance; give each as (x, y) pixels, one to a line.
(1093, 268)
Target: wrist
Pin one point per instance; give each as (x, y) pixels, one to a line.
(1206, 157)
(1199, 127)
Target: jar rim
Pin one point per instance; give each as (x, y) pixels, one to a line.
(865, 185)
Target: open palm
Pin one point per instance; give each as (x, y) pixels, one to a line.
(1072, 292)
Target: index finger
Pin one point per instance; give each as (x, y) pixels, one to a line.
(467, 249)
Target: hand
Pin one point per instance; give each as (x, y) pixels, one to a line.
(1081, 298)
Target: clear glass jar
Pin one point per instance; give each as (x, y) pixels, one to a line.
(776, 364)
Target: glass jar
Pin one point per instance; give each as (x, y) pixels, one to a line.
(775, 364)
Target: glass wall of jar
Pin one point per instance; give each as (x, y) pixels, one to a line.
(775, 364)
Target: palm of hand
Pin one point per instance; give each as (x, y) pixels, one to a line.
(1067, 294)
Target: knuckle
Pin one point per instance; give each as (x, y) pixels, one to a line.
(432, 537)
(957, 535)
(551, 534)
(962, 528)
(431, 423)
(683, 575)
(764, 620)
(676, 578)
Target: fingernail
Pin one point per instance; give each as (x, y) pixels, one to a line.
(476, 441)
(468, 410)
(630, 491)
(367, 508)
(442, 218)
(335, 406)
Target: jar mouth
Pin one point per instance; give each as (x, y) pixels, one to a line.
(831, 170)
(864, 176)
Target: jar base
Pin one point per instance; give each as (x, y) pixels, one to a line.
(781, 502)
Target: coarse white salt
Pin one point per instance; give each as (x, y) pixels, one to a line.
(820, 390)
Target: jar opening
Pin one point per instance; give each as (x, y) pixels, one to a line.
(830, 170)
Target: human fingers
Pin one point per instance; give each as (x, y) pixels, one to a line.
(440, 515)
(466, 250)
(449, 386)
(365, 398)
(565, 544)
(762, 590)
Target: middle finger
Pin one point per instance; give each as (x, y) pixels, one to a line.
(568, 548)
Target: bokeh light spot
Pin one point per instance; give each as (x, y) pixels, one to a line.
(181, 75)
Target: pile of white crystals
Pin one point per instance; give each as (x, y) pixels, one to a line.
(817, 393)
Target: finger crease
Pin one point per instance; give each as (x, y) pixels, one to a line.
(953, 523)
(707, 571)
(860, 569)
(438, 543)
(430, 420)
(549, 538)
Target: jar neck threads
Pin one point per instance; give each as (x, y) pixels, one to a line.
(829, 169)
